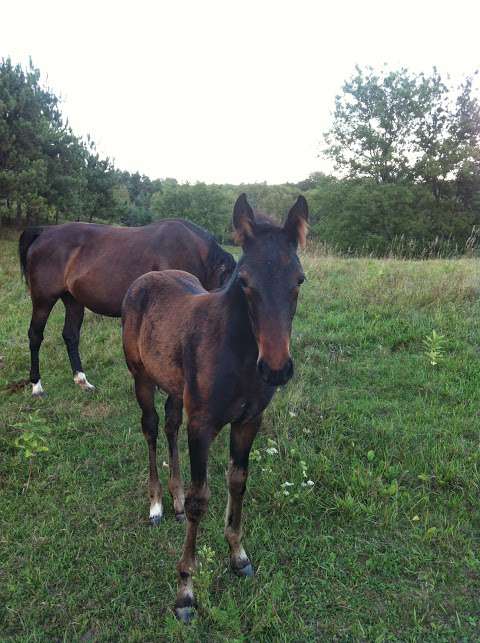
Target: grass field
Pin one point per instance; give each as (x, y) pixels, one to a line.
(384, 546)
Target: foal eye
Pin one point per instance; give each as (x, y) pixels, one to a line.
(301, 280)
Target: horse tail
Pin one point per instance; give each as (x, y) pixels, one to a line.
(27, 237)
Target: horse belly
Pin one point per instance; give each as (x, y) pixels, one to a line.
(102, 296)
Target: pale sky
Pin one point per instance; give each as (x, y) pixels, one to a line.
(221, 91)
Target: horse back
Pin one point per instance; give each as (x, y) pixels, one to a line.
(97, 263)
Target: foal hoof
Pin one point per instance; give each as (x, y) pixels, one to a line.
(246, 571)
(155, 520)
(180, 517)
(185, 614)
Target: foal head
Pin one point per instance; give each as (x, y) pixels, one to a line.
(270, 276)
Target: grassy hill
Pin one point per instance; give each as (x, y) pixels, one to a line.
(383, 546)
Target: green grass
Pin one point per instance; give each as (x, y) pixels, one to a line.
(383, 547)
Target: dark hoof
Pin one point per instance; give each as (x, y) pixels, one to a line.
(185, 614)
(180, 517)
(155, 520)
(246, 571)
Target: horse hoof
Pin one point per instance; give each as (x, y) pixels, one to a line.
(180, 517)
(245, 572)
(185, 614)
(80, 380)
(155, 520)
(40, 395)
(37, 389)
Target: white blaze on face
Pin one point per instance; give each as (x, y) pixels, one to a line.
(156, 510)
(37, 388)
(81, 379)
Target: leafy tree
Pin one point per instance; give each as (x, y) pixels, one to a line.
(397, 126)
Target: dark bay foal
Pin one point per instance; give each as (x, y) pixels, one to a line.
(220, 356)
(92, 266)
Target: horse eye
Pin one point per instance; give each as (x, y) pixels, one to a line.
(301, 280)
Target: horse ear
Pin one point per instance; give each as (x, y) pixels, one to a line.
(243, 219)
(296, 225)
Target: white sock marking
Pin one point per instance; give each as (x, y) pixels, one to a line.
(81, 379)
(37, 388)
(156, 510)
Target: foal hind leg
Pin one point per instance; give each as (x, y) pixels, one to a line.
(145, 390)
(173, 420)
(74, 312)
(40, 312)
(241, 440)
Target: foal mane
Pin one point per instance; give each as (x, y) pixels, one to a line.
(263, 223)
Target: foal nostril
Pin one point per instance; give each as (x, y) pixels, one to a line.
(264, 370)
(275, 377)
(288, 370)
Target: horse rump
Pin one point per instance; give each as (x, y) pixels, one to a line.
(27, 237)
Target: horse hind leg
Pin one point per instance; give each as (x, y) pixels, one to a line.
(173, 420)
(40, 312)
(74, 312)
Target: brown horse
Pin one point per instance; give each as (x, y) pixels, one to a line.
(92, 266)
(220, 355)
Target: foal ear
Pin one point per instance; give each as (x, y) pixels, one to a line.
(296, 225)
(243, 219)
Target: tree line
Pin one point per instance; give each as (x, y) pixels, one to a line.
(405, 148)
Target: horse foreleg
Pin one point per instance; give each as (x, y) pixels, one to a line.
(173, 420)
(74, 312)
(241, 439)
(145, 390)
(40, 313)
(196, 504)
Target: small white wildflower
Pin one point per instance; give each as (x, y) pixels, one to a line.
(304, 484)
(271, 451)
(292, 414)
(287, 484)
(164, 464)
(310, 483)
(286, 493)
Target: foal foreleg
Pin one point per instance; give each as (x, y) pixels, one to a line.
(241, 439)
(173, 420)
(144, 390)
(196, 503)
(74, 312)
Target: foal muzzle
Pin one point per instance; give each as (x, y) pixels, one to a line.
(275, 377)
